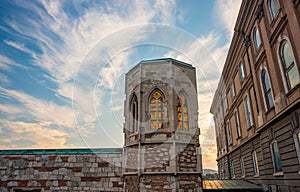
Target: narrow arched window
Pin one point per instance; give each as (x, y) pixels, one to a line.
(242, 167)
(255, 163)
(182, 113)
(273, 8)
(266, 85)
(156, 110)
(232, 169)
(256, 38)
(276, 157)
(288, 64)
(134, 114)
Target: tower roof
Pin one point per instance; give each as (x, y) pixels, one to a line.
(166, 60)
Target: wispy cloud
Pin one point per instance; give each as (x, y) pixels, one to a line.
(39, 135)
(226, 13)
(7, 63)
(62, 41)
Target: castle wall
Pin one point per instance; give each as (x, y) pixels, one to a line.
(60, 171)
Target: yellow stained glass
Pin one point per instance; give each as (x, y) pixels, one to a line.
(156, 110)
(182, 113)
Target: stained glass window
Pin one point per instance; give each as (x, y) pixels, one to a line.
(156, 110)
(182, 113)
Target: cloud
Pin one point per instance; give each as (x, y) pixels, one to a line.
(40, 135)
(42, 110)
(226, 12)
(7, 63)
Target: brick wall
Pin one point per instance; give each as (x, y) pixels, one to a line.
(63, 172)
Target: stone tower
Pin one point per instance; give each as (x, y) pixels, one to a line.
(161, 134)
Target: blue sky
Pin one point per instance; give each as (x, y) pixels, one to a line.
(62, 65)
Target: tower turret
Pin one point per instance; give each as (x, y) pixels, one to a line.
(161, 134)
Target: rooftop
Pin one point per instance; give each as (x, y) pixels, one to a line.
(166, 60)
(230, 185)
(62, 151)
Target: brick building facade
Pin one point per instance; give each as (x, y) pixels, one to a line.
(257, 103)
(161, 142)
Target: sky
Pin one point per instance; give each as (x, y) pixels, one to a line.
(63, 65)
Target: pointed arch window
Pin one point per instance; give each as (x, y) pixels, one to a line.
(134, 114)
(288, 65)
(182, 113)
(156, 110)
(273, 8)
(266, 85)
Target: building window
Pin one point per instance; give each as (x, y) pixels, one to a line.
(273, 8)
(182, 113)
(237, 124)
(248, 111)
(232, 90)
(241, 71)
(288, 64)
(156, 110)
(232, 169)
(134, 114)
(266, 85)
(276, 157)
(255, 163)
(242, 167)
(256, 38)
(225, 103)
(229, 133)
(297, 143)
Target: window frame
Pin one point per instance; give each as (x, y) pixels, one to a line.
(297, 142)
(133, 114)
(256, 38)
(264, 73)
(232, 169)
(228, 126)
(277, 168)
(183, 105)
(237, 124)
(157, 119)
(232, 90)
(225, 103)
(242, 167)
(242, 71)
(248, 112)
(271, 11)
(283, 68)
(255, 163)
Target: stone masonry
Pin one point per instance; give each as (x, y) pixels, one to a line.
(61, 170)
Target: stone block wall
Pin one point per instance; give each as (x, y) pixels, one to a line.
(60, 172)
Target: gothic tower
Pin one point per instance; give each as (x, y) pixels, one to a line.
(161, 134)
